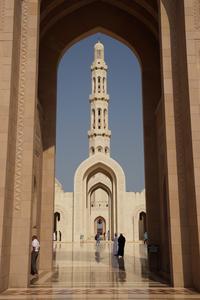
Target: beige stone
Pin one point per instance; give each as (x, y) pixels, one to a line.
(165, 37)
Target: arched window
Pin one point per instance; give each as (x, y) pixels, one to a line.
(99, 149)
(94, 84)
(92, 150)
(106, 150)
(99, 118)
(104, 84)
(104, 117)
(99, 84)
(93, 119)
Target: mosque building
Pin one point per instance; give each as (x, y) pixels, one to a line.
(99, 202)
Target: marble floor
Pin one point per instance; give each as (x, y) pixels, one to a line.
(87, 271)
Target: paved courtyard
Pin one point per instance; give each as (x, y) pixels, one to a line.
(84, 271)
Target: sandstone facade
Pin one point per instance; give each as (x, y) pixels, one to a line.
(134, 214)
(165, 36)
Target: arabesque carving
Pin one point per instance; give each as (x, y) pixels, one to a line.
(197, 14)
(20, 113)
(2, 14)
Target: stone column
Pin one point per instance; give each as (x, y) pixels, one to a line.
(178, 139)
(26, 80)
(151, 155)
(9, 65)
(48, 177)
(47, 96)
(176, 267)
(192, 30)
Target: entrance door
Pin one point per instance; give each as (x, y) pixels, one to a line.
(99, 226)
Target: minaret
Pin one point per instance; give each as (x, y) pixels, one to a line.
(99, 134)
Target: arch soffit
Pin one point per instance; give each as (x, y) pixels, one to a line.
(51, 12)
(103, 30)
(99, 178)
(99, 164)
(48, 5)
(101, 186)
(133, 33)
(57, 41)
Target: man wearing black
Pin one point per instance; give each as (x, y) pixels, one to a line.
(121, 244)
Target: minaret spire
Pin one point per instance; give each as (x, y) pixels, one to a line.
(99, 134)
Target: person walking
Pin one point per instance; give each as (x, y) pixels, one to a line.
(97, 238)
(34, 255)
(121, 244)
(145, 237)
(115, 245)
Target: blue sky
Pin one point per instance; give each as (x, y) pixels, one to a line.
(125, 110)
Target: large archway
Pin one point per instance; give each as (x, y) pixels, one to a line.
(103, 207)
(143, 34)
(140, 37)
(88, 169)
(160, 38)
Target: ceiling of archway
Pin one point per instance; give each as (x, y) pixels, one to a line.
(144, 10)
(104, 171)
(49, 4)
(65, 22)
(96, 179)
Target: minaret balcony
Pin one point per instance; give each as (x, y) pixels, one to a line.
(99, 96)
(99, 132)
(99, 64)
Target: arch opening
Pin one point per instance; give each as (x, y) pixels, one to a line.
(100, 226)
(138, 34)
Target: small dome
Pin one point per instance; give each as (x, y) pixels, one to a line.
(99, 46)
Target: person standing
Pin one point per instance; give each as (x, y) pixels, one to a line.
(121, 244)
(145, 237)
(108, 235)
(115, 245)
(34, 255)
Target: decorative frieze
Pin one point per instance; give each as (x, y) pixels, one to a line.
(21, 104)
(197, 14)
(2, 14)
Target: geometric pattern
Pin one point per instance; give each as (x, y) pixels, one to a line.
(84, 271)
(99, 293)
